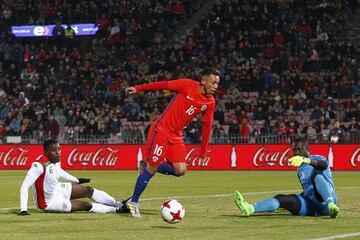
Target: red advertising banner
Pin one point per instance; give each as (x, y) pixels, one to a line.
(219, 157)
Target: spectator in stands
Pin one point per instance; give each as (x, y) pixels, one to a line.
(126, 134)
(316, 114)
(219, 115)
(136, 134)
(39, 133)
(14, 127)
(282, 132)
(133, 116)
(258, 132)
(52, 127)
(354, 130)
(219, 134)
(146, 131)
(193, 132)
(234, 131)
(114, 125)
(245, 131)
(58, 33)
(250, 57)
(69, 35)
(143, 116)
(323, 133)
(2, 129)
(329, 113)
(310, 131)
(91, 127)
(25, 129)
(337, 134)
(322, 120)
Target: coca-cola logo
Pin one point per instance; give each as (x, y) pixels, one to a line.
(193, 159)
(104, 156)
(263, 157)
(355, 158)
(15, 156)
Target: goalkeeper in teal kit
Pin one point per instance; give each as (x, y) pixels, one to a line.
(318, 197)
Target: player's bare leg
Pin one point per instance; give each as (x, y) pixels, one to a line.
(77, 205)
(180, 168)
(79, 191)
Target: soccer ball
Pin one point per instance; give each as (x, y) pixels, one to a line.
(172, 211)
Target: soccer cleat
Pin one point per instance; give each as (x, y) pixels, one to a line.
(122, 207)
(134, 208)
(141, 165)
(333, 210)
(246, 209)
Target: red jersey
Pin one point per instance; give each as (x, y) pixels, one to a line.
(185, 105)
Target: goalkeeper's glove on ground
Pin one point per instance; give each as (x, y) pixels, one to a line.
(296, 161)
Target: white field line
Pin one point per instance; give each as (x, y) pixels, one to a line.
(338, 236)
(207, 196)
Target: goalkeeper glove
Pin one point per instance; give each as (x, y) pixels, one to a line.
(296, 161)
(83, 180)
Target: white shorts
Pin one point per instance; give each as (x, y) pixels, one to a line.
(60, 202)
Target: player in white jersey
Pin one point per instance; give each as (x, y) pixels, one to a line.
(50, 195)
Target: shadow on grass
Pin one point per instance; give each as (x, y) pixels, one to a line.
(164, 227)
(270, 215)
(150, 212)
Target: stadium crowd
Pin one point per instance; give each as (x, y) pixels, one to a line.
(285, 69)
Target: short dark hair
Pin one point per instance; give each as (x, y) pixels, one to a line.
(301, 140)
(210, 70)
(48, 143)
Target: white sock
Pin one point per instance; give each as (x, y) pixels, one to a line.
(101, 208)
(104, 198)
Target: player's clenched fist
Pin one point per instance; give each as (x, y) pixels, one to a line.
(296, 161)
(130, 90)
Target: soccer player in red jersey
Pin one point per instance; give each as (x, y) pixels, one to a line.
(165, 139)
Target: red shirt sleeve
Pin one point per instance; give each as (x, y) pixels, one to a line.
(173, 85)
(206, 129)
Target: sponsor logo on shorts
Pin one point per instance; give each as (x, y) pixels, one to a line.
(65, 206)
(203, 107)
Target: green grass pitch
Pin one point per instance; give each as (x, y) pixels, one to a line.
(207, 197)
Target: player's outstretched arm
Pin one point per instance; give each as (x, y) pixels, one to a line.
(178, 85)
(35, 171)
(68, 177)
(296, 161)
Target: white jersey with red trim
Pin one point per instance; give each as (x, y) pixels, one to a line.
(44, 179)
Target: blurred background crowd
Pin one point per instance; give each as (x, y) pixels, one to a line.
(287, 68)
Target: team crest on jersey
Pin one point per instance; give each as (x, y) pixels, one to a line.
(155, 158)
(203, 107)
